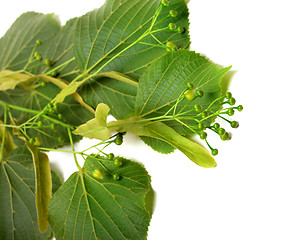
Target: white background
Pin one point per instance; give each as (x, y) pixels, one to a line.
(250, 194)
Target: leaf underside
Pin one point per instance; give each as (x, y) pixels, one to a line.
(17, 197)
(166, 79)
(104, 32)
(89, 208)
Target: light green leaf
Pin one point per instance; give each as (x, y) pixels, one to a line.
(161, 131)
(85, 207)
(43, 185)
(19, 41)
(166, 79)
(17, 197)
(97, 127)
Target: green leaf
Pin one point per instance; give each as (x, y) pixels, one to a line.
(166, 79)
(97, 127)
(43, 185)
(57, 181)
(19, 41)
(158, 145)
(118, 95)
(86, 207)
(103, 33)
(60, 52)
(56, 45)
(17, 197)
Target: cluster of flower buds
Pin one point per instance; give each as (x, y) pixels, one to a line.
(205, 118)
(170, 46)
(116, 161)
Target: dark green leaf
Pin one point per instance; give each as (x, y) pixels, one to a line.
(104, 32)
(60, 50)
(19, 41)
(17, 197)
(86, 207)
(158, 145)
(119, 96)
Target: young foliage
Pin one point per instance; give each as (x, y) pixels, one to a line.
(102, 202)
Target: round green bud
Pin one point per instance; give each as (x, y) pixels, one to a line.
(32, 141)
(118, 162)
(240, 108)
(116, 176)
(225, 136)
(51, 110)
(221, 131)
(203, 135)
(53, 126)
(97, 174)
(111, 156)
(171, 47)
(214, 152)
(37, 141)
(165, 3)
(172, 13)
(190, 94)
(198, 108)
(172, 26)
(38, 56)
(190, 86)
(55, 108)
(201, 126)
(204, 114)
(43, 84)
(40, 124)
(232, 101)
(230, 112)
(59, 116)
(228, 95)
(59, 139)
(180, 30)
(38, 42)
(119, 139)
(234, 124)
(200, 93)
(216, 126)
(48, 62)
(53, 74)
